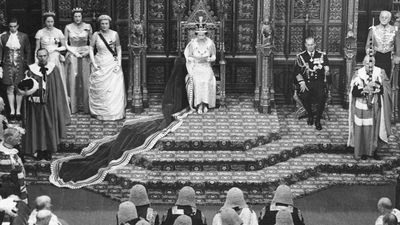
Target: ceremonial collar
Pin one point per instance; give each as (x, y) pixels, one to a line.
(7, 151)
(35, 68)
(363, 73)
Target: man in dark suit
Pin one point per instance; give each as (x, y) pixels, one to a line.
(311, 70)
(15, 53)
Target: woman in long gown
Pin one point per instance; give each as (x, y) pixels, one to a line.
(53, 40)
(201, 83)
(106, 83)
(77, 36)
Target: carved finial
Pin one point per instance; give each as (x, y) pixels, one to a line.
(136, 31)
(179, 7)
(350, 32)
(267, 30)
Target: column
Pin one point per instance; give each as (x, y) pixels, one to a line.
(136, 48)
(350, 49)
(266, 51)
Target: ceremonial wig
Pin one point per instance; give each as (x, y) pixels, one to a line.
(10, 134)
(43, 202)
(43, 217)
(368, 59)
(49, 14)
(104, 17)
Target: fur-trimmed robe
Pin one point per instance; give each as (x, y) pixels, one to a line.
(46, 118)
(368, 126)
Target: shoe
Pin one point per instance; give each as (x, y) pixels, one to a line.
(376, 156)
(310, 120)
(364, 157)
(39, 155)
(18, 117)
(205, 110)
(47, 155)
(318, 125)
(12, 116)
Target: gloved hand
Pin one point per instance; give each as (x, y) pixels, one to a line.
(9, 205)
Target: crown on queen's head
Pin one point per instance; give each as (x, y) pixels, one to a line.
(77, 9)
(49, 13)
(201, 27)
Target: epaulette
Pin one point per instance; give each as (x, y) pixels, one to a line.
(298, 55)
(301, 53)
(323, 53)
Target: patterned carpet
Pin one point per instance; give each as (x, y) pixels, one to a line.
(236, 146)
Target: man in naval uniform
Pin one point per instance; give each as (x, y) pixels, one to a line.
(311, 71)
(384, 40)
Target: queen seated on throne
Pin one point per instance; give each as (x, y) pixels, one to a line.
(200, 81)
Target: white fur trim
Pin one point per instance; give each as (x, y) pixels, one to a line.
(363, 122)
(361, 105)
(35, 68)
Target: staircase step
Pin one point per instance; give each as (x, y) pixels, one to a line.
(290, 171)
(253, 159)
(254, 194)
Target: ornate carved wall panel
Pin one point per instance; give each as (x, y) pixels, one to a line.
(246, 9)
(245, 38)
(244, 82)
(3, 14)
(156, 9)
(246, 74)
(311, 7)
(335, 40)
(325, 24)
(335, 10)
(64, 9)
(246, 33)
(155, 76)
(296, 35)
(279, 41)
(283, 75)
(316, 32)
(122, 9)
(156, 34)
(280, 10)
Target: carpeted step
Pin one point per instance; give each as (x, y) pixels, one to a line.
(254, 194)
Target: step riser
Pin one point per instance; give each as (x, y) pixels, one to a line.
(236, 164)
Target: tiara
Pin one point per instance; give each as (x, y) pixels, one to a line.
(77, 9)
(49, 13)
(201, 27)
